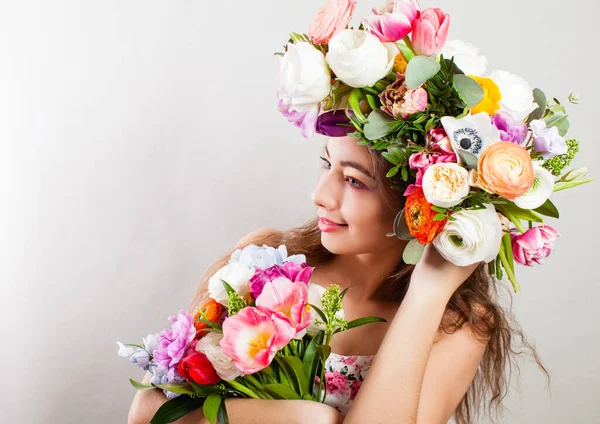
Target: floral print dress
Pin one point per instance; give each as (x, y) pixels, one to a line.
(344, 376)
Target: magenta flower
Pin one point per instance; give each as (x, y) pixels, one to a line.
(306, 121)
(328, 124)
(174, 343)
(394, 21)
(510, 129)
(290, 270)
(534, 245)
(430, 31)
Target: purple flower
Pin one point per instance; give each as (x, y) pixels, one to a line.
(290, 270)
(173, 343)
(510, 129)
(328, 124)
(306, 120)
(547, 141)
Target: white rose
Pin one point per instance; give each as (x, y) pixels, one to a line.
(540, 191)
(237, 275)
(315, 296)
(466, 57)
(517, 94)
(223, 364)
(445, 184)
(359, 59)
(304, 78)
(473, 237)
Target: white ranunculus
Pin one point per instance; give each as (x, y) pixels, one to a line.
(304, 78)
(540, 191)
(237, 275)
(315, 297)
(359, 59)
(445, 184)
(517, 94)
(223, 364)
(466, 57)
(474, 236)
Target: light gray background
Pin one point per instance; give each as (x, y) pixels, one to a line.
(140, 140)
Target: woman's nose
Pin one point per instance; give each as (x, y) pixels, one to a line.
(325, 195)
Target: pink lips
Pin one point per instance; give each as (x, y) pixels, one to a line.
(328, 226)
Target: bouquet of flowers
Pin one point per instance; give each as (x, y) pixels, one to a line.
(263, 334)
(477, 154)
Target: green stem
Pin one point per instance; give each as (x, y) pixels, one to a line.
(571, 184)
(509, 271)
(516, 221)
(257, 385)
(243, 389)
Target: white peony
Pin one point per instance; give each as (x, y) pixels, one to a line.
(223, 364)
(237, 275)
(315, 297)
(445, 184)
(466, 57)
(540, 191)
(359, 59)
(474, 236)
(517, 94)
(304, 78)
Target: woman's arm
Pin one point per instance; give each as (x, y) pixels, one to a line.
(239, 411)
(393, 389)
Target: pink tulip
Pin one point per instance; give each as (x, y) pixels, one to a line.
(290, 270)
(252, 338)
(430, 31)
(534, 245)
(286, 299)
(331, 18)
(394, 21)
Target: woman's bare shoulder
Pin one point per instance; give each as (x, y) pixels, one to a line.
(255, 236)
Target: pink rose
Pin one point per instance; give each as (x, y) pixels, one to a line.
(534, 245)
(430, 31)
(331, 18)
(393, 21)
(414, 101)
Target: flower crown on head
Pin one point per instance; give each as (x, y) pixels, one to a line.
(479, 153)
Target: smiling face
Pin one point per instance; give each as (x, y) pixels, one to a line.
(350, 192)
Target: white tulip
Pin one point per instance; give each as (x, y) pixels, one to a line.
(359, 59)
(473, 236)
(466, 57)
(304, 78)
(517, 94)
(540, 191)
(445, 184)
(223, 364)
(237, 275)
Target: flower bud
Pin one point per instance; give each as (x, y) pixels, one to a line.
(573, 174)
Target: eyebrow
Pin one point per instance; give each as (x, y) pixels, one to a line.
(354, 165)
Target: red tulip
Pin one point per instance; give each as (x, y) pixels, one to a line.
(197, 367)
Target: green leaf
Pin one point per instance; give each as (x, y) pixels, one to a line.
(468, 89)
(540, 98)
(203, 389)
(311, 358)
(176, 408)
(211, 407)
(390, 158)
(182, 388)
(555, 120)
(519, 213)
(404, 173)
(324, 351)
(222, 417)
(294, 371)
(377, 125)
(360, 322)
(439, 217)
(319, 312)
(406, 51)
(228, 288)
(413, 252)
(372, 102)
(571, 184)
(548, 209)
(281, 391)
(419, 70)
(141, 386)
(439, 209)
(354, 99)
(392, 172)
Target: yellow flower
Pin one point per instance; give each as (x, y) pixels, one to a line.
(491, 96)
(400, 64)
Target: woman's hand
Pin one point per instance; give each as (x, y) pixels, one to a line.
(435, 276)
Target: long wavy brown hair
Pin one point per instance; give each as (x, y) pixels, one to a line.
(474, 303)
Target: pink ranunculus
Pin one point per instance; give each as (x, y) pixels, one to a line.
(430, 31)
(534, 245)
(306, 121)
(394, 21)
(290, 270)
(414, 101)
(252, 338)
(331, 18)
(288, 300)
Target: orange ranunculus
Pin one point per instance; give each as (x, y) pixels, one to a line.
(506, 169)
(213, 311)
(419, 217)
(491, 96)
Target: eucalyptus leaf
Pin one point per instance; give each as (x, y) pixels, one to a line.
(419, 70)
(540, 98)
(468, 89)
(413, 252)
(211, 407)
(377, 125)
(401, 228)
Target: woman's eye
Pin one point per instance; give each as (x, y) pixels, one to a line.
(355, 183)
(326, 163)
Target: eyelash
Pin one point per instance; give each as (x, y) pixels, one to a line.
(356, 187)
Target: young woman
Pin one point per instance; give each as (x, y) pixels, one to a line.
(446, 345)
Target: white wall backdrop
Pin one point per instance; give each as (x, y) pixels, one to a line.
(140, 140)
